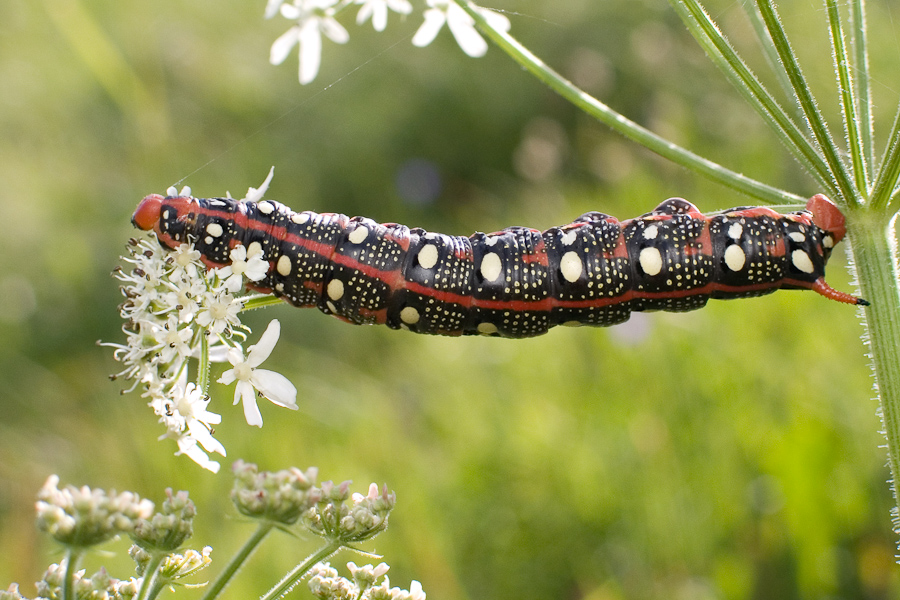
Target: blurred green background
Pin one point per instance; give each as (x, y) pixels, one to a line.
(731, 452)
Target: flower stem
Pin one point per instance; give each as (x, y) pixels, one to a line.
(296, 574)
(849, 102)
(814, 118)
(622, 124)
(150, 572)
(237, 561)
(874, 245)
(720, 51)
(73, 559)
(860, 49)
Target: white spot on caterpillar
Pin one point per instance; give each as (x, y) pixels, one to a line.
(215, 230)
(358, 235)
(801, 261)
(651, 261)
(486, 328)
(279, 287)
(284, 265)
(491, 240)
(568, 238)
(300, 218)
(409, 315)
(735, 231)
(651, 232)
(428, 256)
(331, 306)
(570, 266)
(796, 236)
(335, 289)
(208, 239)
(253, 249)
(491, 267)
(266, 207)
(572, 324)
(166, 214)
(828, 241)
(735, 257)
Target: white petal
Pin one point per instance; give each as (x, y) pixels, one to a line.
(282, 47)
(202, 435)
(401, 6)
(227, 378)
(276, 387)
(379, 17)
(310, 51)
(434, 20)
(272, 8)
(251, 410)
(334, 30)
(235, 356)
(463, 28)
(263, 348)
(196, 454)
(495, 20)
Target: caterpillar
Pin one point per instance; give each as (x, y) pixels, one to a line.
(518, 282)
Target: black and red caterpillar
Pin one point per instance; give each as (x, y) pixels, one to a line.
(518, 282)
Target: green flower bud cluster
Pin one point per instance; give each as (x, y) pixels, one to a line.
(325, 584)
(279, 497)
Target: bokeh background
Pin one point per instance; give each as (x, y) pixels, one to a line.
(731, 452)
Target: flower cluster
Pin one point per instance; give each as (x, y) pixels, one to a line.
(313, 18)
(177, 311)
(280, 496)
(362, 518)
(98, 585)
(83, 517)
(325, 584)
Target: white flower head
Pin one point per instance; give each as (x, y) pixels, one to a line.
(313, 17)
(244, 262)
(250, 379)
(461, 25)
(378, 11)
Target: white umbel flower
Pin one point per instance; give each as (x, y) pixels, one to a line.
(274, 386)
(313, 17)
(461, 25)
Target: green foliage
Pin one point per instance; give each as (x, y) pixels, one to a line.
(729, 452)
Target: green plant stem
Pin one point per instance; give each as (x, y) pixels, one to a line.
(813, 117)
(860, 48)
(874, 246)
(889, 172)
(203, 367)
(150, 573)
(238, 560)
(719, 50)
(849, 101)
(73, 559)
(296, 574)
(259, 301)
(622, 124)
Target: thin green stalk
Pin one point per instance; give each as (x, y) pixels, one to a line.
(293, 578)
(238, 560)
(874, 246)
(150, 573)
(254, 302)
(849, 102)
(889, 172)
(723, 55)
(768, 50)
(73, 559)
(622, 124)
(203, 367)
(813, 117)
(860, 46)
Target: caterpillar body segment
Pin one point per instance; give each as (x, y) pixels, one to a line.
(518, 282)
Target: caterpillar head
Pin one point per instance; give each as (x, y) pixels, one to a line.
(827, 217)
(169, 217)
